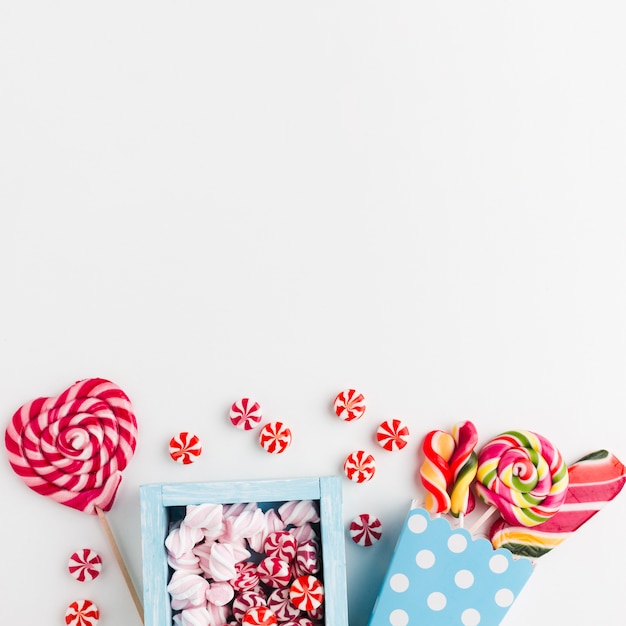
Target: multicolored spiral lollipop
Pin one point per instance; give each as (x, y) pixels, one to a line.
(523, 475)
(435, 472)
(463, 466)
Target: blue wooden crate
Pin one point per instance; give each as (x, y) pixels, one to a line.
(159, 501)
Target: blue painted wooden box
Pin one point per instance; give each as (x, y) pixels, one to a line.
(159, 501)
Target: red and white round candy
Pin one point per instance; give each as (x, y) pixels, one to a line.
(349, 405)
(82, 613)
(274, 572)
(306, 593)
(85, 565)
(259, 616)
(247, 576)
(365, 529)
(281, 544)
(245, 414)
(308, 559)
(185, 448)
(275, 437)
(247, 600)
(359, 466)
(392, 435)
(280, 602)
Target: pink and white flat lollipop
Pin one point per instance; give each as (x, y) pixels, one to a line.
(365, 529)
(306, 593)
(392, 435)
(82, 613)
(275, 437)
(185, 447)
(74, 447)
(359, 466)
(349, 405)
(85, 565)
(246, 414)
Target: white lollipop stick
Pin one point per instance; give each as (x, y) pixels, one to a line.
(483, 518)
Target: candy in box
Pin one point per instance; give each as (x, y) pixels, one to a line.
(163, 506)
(443, 576)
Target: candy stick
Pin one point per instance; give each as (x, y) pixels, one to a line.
(74, 447)
(120, 561)
(522, 475)
(463, 466)
(435, 471)
(594, 480)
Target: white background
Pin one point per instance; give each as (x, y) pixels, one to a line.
(202, 201)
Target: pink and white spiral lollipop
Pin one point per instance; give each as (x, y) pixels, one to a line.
(275, 437)
(85, 565)
(246, 414)
(523, 475)
(349, 405)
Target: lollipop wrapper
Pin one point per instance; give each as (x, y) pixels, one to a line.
(442, 576)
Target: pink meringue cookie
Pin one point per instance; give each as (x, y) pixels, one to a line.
(247, 524)
(240, 552)
(222, 562)
(281, 544)
(281, 605)
(187, 590)
(197, 616)
(218, 614)
(274, 572)
(220, 593)
(247, 600)
(203, 552)
(188, 562)
(237, 508)
(273, 523)
(298, 512)
(182, 539)
(206, 517)
(303, 533)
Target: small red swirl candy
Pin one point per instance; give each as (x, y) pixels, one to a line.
(463, 466)
(85, 565)
(435, 471)
(246, 577)
(82, 613)
(185, 448)
(259, 616)
(281, 544)
(246, 414)
(274, 572)
(275, 437)
(392, 435)
(308, 559)
(359, 466)
(523, 475)
(365, 529)
(280, 603)
(306, 593)
(74, 447)
(247, 600)
(349, 405)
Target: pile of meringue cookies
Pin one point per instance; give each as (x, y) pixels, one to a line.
(246, 563)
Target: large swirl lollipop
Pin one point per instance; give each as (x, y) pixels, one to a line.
(73, 448)
(523, 475)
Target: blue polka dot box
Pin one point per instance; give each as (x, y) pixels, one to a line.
(442, 576)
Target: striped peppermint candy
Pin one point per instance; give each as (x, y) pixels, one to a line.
(185, 448)
(359, 466)
(74, 447)
(308, 559)
(281, 544)
(275, 437)
(85, 565)
(246, 414)
(280, 602)
(392, 435)
(82, 613)
(349, 405)
(365, 529)
(306, 593)
(259, 616)
(274, 572)
(247, 600)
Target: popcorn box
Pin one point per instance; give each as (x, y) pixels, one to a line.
(442, 576)
(163, 504)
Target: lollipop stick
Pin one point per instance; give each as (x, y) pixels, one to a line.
(120, 561)
(483, 518)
